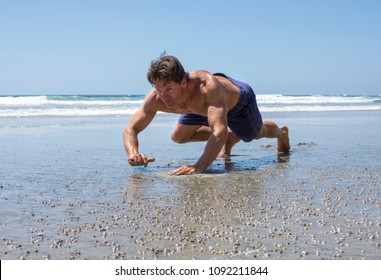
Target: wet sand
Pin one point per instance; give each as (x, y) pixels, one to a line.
(66, 192)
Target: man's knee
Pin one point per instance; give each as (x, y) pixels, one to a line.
(178, 138)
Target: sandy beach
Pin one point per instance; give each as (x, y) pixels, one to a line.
(67, 192)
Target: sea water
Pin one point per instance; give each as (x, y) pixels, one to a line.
(122, 105)
(67, 191)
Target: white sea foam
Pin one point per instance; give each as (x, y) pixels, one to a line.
(44, 100)
(23, 100)
(54, 112)
(312, 99)
(72, 105)
(318, 108)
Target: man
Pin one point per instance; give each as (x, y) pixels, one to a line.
(214, 108)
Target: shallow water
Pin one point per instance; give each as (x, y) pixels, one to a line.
(68, 193)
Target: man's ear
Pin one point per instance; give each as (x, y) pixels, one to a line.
(184, 82)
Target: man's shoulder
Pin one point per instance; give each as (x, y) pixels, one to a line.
(152, 101)
(207, 82)
(205, 78)
(200, 74)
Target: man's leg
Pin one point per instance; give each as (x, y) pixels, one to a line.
(190, 133)
(227, 149)
(193, 133)
(271, 130)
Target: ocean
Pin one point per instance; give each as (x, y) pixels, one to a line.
(68, 192)
(121, 105)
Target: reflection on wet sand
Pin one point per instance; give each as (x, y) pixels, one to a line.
(191, 216)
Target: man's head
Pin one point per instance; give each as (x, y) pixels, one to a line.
(166, 69)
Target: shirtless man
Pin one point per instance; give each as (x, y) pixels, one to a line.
(213, 107)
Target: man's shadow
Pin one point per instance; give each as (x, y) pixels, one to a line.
(232, 165)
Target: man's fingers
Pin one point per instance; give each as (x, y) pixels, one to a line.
(183, 170)
(140, 159)
(147, 160)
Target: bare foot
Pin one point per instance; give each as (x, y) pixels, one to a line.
(283, 141)
(227, 149)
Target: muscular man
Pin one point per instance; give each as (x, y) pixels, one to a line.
(213, 107)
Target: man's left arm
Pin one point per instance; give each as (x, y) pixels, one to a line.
(217, 118)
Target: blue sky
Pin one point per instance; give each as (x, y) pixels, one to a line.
(105, 47)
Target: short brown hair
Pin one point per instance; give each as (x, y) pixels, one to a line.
(166, 68)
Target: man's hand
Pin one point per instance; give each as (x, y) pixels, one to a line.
(139, 159)
(184, 170)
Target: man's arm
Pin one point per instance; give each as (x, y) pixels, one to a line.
(217, 119)
(139, 121)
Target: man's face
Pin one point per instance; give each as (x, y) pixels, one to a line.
(170, 92)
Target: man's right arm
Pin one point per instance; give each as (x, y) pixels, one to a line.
(139, 121)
